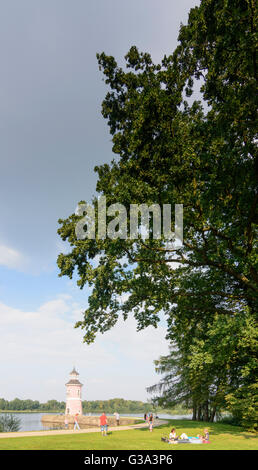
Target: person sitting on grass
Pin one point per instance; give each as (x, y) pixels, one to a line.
(174, 439)
(172, 436)
(206, 437)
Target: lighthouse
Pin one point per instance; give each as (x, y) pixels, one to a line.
(73, 394)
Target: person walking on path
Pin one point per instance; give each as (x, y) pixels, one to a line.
(117, 418)
(76, 424)
(150, 422)
(66, 422)
(103, 424)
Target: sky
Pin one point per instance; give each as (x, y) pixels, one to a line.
(52, 134)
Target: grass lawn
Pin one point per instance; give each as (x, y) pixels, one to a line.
(222, 436)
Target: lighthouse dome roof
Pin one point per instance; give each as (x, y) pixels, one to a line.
(73, 382)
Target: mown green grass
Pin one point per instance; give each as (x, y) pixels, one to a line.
(222, 436)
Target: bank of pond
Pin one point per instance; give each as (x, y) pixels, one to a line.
(32, 421)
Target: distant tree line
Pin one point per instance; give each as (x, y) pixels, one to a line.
(32, 405)
(109, 406)
(116, 404)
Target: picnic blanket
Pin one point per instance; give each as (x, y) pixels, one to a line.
(190, 440)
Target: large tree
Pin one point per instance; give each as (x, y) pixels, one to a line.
(173, 149)
(170, 151)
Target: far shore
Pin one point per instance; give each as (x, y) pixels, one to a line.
(32, 411)
(169, 412)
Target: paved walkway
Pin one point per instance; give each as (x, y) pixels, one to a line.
(157, 422)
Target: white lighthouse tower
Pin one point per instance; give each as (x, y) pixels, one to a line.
(73, 394)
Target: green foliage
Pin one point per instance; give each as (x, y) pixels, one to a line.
(212, 369)
(31, 405)
(116, 404)
(172, 152)
(9, 423)
(243, 405)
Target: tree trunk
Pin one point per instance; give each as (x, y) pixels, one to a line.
(212, 416)
(194, 413)
(206, 411)
(199, 413)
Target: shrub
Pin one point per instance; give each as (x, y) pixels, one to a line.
(9, 423)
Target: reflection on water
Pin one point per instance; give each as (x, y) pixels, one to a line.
(32, 421)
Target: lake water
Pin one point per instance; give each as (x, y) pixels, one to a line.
(32, 421)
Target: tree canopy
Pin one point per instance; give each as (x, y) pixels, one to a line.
(173, 149)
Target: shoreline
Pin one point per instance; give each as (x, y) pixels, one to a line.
(5, 435)
(86, 413)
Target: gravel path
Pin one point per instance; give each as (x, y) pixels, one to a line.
(158, 422)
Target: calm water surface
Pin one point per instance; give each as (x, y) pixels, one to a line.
(32, 421)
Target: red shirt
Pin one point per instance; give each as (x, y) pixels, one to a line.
(103, 420)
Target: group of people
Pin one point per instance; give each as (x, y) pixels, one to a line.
(102, 420)
(173, 438)
(75, 422)
(104, 423)
(148, 418)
